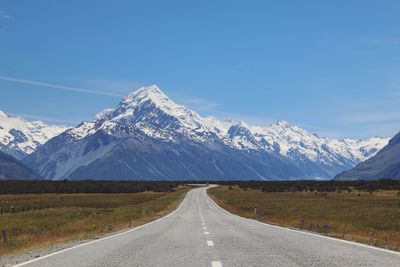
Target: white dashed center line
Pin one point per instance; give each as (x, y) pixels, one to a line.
(210, 243)
(205, 228)
(216, 264)
(206, 233)
(203, 224)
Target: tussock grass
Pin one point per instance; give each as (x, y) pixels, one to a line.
(372, 218)
(42, 220)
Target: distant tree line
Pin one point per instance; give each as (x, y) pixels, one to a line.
(84, 186)
(319, 186)
(92, 186)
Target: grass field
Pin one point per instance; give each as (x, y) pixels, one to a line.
(33, 221)
(372, 218)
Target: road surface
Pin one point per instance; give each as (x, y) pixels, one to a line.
(199, 233)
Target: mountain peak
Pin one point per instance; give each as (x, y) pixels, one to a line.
(146, 102)
(241, 124)
(282, 123)
(152, 93)
(148, 134)
(152, 88)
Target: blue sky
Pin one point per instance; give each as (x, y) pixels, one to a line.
(332, 67)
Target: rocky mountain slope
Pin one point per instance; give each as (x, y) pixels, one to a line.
(11, 168)
(148, 136)
(19, 137)
(385, 164)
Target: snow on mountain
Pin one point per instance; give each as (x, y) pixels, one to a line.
(150, 110)
(19, 137)
(148, 115)
(366, 148)
(384, 165)
(283, 138)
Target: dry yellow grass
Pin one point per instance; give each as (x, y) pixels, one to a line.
(360, 216)
(42, 220)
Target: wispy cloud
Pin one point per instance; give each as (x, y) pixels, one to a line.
(213, 109)
(58, 86)
(365, 123)
(4, 15)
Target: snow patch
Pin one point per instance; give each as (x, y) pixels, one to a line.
(25, 136)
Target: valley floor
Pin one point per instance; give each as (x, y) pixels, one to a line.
(42, 220)
(200, 233)
(371, 218)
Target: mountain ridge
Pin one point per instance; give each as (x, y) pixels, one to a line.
(11, 168)
(147, 117)
(384, 165)
(19, 137)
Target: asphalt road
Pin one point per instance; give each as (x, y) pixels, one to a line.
(199, 233)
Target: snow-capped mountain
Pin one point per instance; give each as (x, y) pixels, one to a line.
(384, 165)
(148, 136)
(19, 137)
(329, 156)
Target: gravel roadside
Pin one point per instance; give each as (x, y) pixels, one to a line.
(13, 259)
